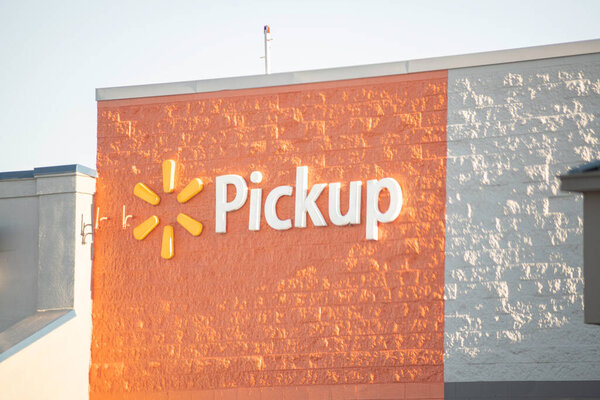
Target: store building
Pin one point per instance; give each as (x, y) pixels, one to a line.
(390, 231)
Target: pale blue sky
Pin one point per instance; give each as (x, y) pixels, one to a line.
(53, 54)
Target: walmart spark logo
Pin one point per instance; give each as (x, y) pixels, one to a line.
(190, 224)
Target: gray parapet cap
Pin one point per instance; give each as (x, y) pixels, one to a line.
(354, 72)
(591, 166)
(584, 178)
(55, 170)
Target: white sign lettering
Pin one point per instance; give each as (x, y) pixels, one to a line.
(306, 203)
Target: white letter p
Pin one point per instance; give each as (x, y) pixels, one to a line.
(222, 206)
(374, 215)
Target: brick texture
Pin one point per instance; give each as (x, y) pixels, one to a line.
(514, 283)
(315, 307)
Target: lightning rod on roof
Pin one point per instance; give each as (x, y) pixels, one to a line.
(267, 32)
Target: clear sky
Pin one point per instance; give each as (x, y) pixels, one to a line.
(53, 54)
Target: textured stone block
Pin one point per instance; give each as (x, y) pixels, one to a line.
(513, 306)
(272, 310)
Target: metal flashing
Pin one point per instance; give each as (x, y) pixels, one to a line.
(54, 170)
(30, 329)
(10, 175)
(63, 169)
(353, 72)
(585, 178)
(591, 166)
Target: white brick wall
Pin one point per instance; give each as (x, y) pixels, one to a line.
(514, 287)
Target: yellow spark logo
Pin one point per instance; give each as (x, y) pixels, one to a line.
(188, 223)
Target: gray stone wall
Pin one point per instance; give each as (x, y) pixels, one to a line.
(514, 244)
(18, 256)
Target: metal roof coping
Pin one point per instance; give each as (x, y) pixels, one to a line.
(54, 170)
(352, 72)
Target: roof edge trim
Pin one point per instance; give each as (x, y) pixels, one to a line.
(353, 72)
(54, 170)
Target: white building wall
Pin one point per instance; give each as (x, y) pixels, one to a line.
(54, 366)
(514, 245)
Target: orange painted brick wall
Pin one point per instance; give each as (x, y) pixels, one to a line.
(304, 308)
